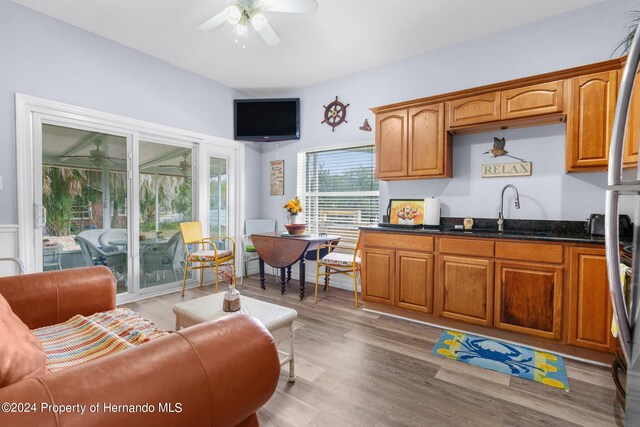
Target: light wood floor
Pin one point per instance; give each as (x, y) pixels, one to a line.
(355, 368)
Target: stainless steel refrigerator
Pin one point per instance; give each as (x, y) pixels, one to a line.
(626, 310)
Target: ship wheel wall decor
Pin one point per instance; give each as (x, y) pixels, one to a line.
(335, 114)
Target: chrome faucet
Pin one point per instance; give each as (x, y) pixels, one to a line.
(517, 202)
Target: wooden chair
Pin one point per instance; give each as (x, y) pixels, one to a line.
(205, 258)
(341, 259)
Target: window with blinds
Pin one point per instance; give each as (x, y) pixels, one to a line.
(339, 190)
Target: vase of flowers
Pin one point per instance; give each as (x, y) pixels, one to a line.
(292, 208)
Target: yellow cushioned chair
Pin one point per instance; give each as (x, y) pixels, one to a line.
(198, 259)
(341, 259)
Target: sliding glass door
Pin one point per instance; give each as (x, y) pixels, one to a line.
(99, 189)
(84, 195)
(165, 200)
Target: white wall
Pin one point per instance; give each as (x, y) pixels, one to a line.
(44, 57)
(565, 41)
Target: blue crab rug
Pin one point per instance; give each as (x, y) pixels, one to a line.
(523, 362)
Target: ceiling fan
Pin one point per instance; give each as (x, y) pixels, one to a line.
(98, 156)
(184, 165)
(241, 13)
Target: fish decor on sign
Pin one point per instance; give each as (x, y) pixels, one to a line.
(498, 149)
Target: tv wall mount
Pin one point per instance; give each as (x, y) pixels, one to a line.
(335, 114)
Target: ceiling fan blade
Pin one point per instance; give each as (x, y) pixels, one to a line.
(269, 35)
(290, 6)
(214, 22)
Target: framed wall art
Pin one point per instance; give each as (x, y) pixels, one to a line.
(276, 178)
(407, 212)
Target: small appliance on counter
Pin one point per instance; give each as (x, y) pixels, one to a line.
(596, 225)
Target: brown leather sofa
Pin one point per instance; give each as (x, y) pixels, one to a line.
(212, 374)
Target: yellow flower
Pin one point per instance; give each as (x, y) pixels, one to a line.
(553, 383)
(547, 367)
(548, 355)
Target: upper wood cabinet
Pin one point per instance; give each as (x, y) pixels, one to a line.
(590, 120)
(544, 98)
(413, 143)
(528, 298)
(429, 143)
(391, 144)
(630, 154)
(473, 110)
(590, 310)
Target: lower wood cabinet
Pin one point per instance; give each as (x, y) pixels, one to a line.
(590, 308)
(414, 281)
(378, 268)
(528, 298)
(508, 284)
(465, 289)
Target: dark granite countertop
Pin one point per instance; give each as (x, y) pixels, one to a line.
(541, 230)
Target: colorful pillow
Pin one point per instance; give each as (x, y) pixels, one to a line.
(21, 355)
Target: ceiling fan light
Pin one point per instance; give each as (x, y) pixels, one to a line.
(258, 21)
(234, 14)
(241, 29)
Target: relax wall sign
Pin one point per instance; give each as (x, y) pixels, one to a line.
(521, 168)
(506, 169)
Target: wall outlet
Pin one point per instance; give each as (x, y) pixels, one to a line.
(0, 183)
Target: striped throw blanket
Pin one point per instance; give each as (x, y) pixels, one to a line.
(82, 339)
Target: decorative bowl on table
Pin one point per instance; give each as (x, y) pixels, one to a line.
(296, 228)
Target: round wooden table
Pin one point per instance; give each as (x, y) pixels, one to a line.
(282, 250)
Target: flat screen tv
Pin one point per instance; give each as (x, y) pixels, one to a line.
(266, 119)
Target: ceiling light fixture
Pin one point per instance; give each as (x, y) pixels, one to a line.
(241, 12)
(234, 14)
(258, 21)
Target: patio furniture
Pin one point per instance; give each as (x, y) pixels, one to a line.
(116, 261)
(51, 257)
(106, 237)
(275, 318)
(341, 259)
(165, 256)
(199, 258)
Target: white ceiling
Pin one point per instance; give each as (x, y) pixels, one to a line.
(341, 38)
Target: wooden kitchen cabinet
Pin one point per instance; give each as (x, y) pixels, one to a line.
(544, 98)
(378, 268)
(589, 310)
(630, 153)
(413, 143)
(590, 121)
(528, 298)
(429, 144)
(391, 144)
(414, 281)
(464, 289)
(473, 110)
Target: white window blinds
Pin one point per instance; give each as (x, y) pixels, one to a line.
(339, 190)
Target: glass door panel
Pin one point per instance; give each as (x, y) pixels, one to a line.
(165, 200)
(84, 192)
(218, 199)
